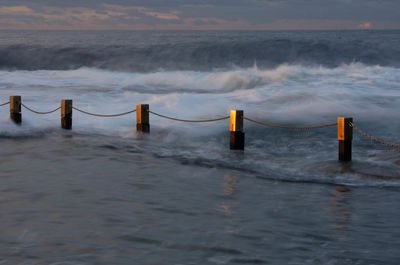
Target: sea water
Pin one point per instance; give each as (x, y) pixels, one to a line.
(103, 194)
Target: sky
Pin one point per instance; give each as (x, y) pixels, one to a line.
(199, 14)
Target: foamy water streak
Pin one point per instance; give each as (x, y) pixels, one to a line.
(290, 88)
(103, 194)
(294, 95)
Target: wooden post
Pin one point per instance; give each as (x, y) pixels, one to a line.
(15, 109)
(236, 129)
(142, 118)
(345, 137)
(66, 114)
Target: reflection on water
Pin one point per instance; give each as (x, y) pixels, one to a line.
(229, 185)
(125, 206)
(338, 206)
(102, 194)
(227, 206)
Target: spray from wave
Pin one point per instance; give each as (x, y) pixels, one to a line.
(295, 81)
(288, 92)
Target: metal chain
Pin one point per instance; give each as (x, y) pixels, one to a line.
(373, 138)
(40, 112)
(175, 119)
(290, 127)
(104, 115)
(222, 118)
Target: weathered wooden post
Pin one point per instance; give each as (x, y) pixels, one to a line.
(142, 118)
(345, 137)
(15, 109)
(236, 129)
(66, 114)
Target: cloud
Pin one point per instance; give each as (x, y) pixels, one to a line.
(57, 14)
(200, 14)
(16, 10)
(79, 17)
(170, 15)
(366, 25)
(173, 15)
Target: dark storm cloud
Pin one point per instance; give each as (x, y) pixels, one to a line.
(224, 13)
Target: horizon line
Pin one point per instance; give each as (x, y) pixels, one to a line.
(355, 29)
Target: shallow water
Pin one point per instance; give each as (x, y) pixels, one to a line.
(103, 194)
(83, 199)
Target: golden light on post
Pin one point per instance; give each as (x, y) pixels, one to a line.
(345, 137)
(236, 130)
(66, 114)
(15, 109)
(142, 118)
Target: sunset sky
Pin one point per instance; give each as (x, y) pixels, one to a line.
(200, 14)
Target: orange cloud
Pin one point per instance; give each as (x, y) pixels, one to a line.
(84, 14)
(214, 23)
(166, 16)
(16, 10)
(366, 25)
(57, 18)
(133, 18)
(173, 15)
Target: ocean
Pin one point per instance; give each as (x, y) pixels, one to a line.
(102, 193)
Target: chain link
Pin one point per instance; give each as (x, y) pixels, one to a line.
(104, 115)
(290, 127)
(175, 119)
(373, 138)
(1, 105)
(40, 112)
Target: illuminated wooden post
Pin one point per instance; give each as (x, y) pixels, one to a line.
(142, 118)
(15, 109)
(236, 129)
(345, 137)
(66, 114)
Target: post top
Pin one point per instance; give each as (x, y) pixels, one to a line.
(345, 131)
(236, 123)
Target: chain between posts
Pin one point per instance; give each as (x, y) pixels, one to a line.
(220, 119)
(176, 119)
(40, 112)
(104, 115)
(291, 127)
(373, 138)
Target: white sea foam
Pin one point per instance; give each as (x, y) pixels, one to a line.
(290, 94)
(353, 79)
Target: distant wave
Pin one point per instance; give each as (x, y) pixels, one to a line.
(290, 92)
(195, 82)
(199, 56)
